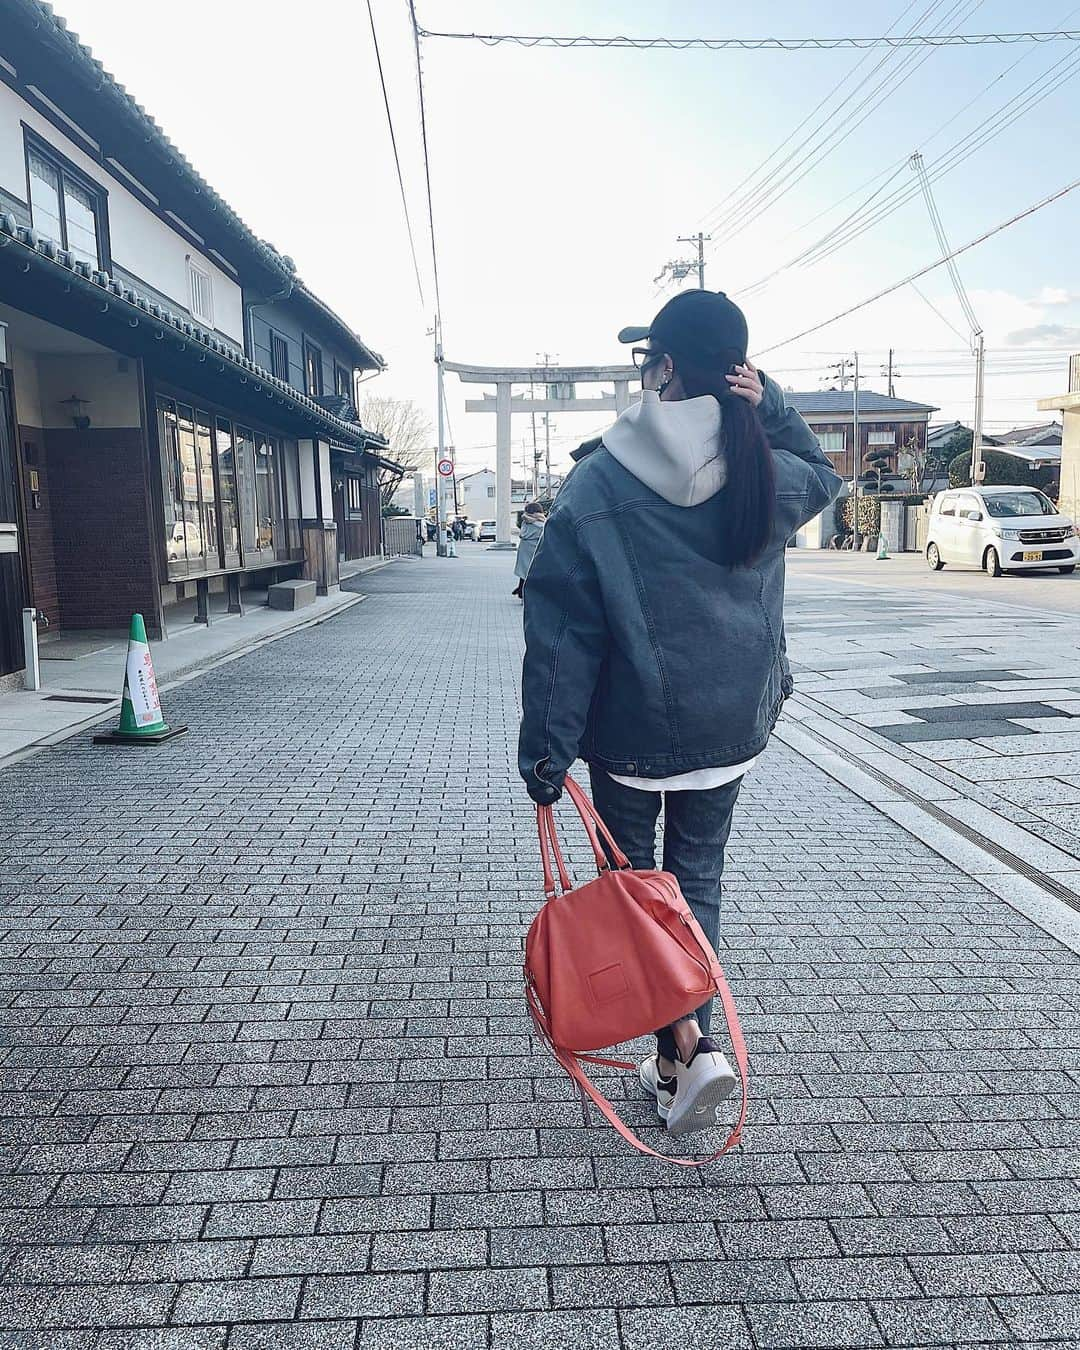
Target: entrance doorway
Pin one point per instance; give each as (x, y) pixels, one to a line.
(11, 574)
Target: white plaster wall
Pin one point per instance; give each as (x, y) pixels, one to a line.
(113, 393)
(141, 243)
(27, 393)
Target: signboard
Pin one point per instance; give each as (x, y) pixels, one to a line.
(446, 468)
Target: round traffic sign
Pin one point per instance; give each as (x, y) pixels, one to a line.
(446, 467)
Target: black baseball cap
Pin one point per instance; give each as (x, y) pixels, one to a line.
(702, 326)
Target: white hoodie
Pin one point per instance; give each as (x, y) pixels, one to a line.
(674, 448)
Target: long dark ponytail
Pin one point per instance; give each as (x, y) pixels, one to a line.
(750, 490)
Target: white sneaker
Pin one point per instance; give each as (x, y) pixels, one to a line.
(660, 1088)
(702, 1085)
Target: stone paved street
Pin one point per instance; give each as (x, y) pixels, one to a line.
(268, 1080)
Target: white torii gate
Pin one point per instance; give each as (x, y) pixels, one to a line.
(504, 405)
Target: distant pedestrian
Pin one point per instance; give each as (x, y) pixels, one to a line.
(532, 529)
(654, 624)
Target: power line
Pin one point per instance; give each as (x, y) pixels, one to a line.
(397, 158)
(744, 212)
(864, 218)
(417, 34)
(930, 267)
(756, 44)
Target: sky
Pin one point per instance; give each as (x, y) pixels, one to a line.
(561, 180)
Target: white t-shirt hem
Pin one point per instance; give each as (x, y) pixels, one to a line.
(698, 780)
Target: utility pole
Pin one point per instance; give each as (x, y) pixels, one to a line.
(700, 240)
(678, 269)
(888, 372)
(855, 462)
(545, 358)
(977, 466)
(440, 452)
(839, 371)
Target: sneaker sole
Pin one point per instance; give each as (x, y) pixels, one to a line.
(661, 1110)
(699, 1112)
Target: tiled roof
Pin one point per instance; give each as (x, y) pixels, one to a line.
(49, 24)
(34, 248)
(838, 401)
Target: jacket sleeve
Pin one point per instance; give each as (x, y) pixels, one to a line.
(566, 637)
(786, 430)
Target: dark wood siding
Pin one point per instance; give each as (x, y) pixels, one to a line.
(281, 318)
(904, 432)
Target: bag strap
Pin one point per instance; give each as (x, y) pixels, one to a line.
(545, 826)
(571, 1063)
(594, 828)
(593, 824)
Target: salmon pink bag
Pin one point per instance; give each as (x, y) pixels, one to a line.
(616, 959)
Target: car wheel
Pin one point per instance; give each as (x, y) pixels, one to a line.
(992, 562)
(1067, 570)
(933, 558)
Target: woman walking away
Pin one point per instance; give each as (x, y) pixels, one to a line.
(654, 625)
(532, 527)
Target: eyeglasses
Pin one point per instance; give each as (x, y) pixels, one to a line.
(644, 357)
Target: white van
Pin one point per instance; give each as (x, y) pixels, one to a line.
(1000, 529)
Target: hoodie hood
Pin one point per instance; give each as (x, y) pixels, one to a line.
(674, 448)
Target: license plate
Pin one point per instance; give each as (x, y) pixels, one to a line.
(1035, 556)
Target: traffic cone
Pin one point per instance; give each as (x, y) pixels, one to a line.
(141, 718)
(882, 549)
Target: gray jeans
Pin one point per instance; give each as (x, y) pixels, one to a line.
(696, 829)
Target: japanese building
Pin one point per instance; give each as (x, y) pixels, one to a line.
(177, 410)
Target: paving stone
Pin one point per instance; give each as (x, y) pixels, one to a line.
(236, 1301)
(294, 1336)
(596, 1330)
(927, 1321)
(972, 1273)
(344, 1296)
(448, 1333)
(475, 1291)
(813, 1324)
(241, 1076)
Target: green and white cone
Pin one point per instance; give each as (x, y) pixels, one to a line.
(140, 708)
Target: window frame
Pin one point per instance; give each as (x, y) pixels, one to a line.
(33, 144)
(878, 438)
(310, 348)
(275, 339)
(194, 269)
(339, 371)
(840, 449)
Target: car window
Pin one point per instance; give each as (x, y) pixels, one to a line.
(948, 506)
(1029, 502)
(967, 507)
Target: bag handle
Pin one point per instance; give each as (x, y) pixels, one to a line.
(571, 1062)
(594, 828)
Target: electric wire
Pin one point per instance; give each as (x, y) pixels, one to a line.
(930, 267)
(862, 219)
(756, 44)
(745, 211)
(417, 34)
(397, 158)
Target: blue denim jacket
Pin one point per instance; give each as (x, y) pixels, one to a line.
(644, 654)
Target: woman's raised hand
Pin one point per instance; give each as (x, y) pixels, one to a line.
(746, 382)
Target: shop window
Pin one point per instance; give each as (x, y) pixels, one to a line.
(267, 496)
(66, 207)
(230, 504)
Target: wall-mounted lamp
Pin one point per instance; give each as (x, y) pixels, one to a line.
(75, 404)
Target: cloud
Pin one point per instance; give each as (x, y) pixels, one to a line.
(1047, 333)
(1054, 295)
